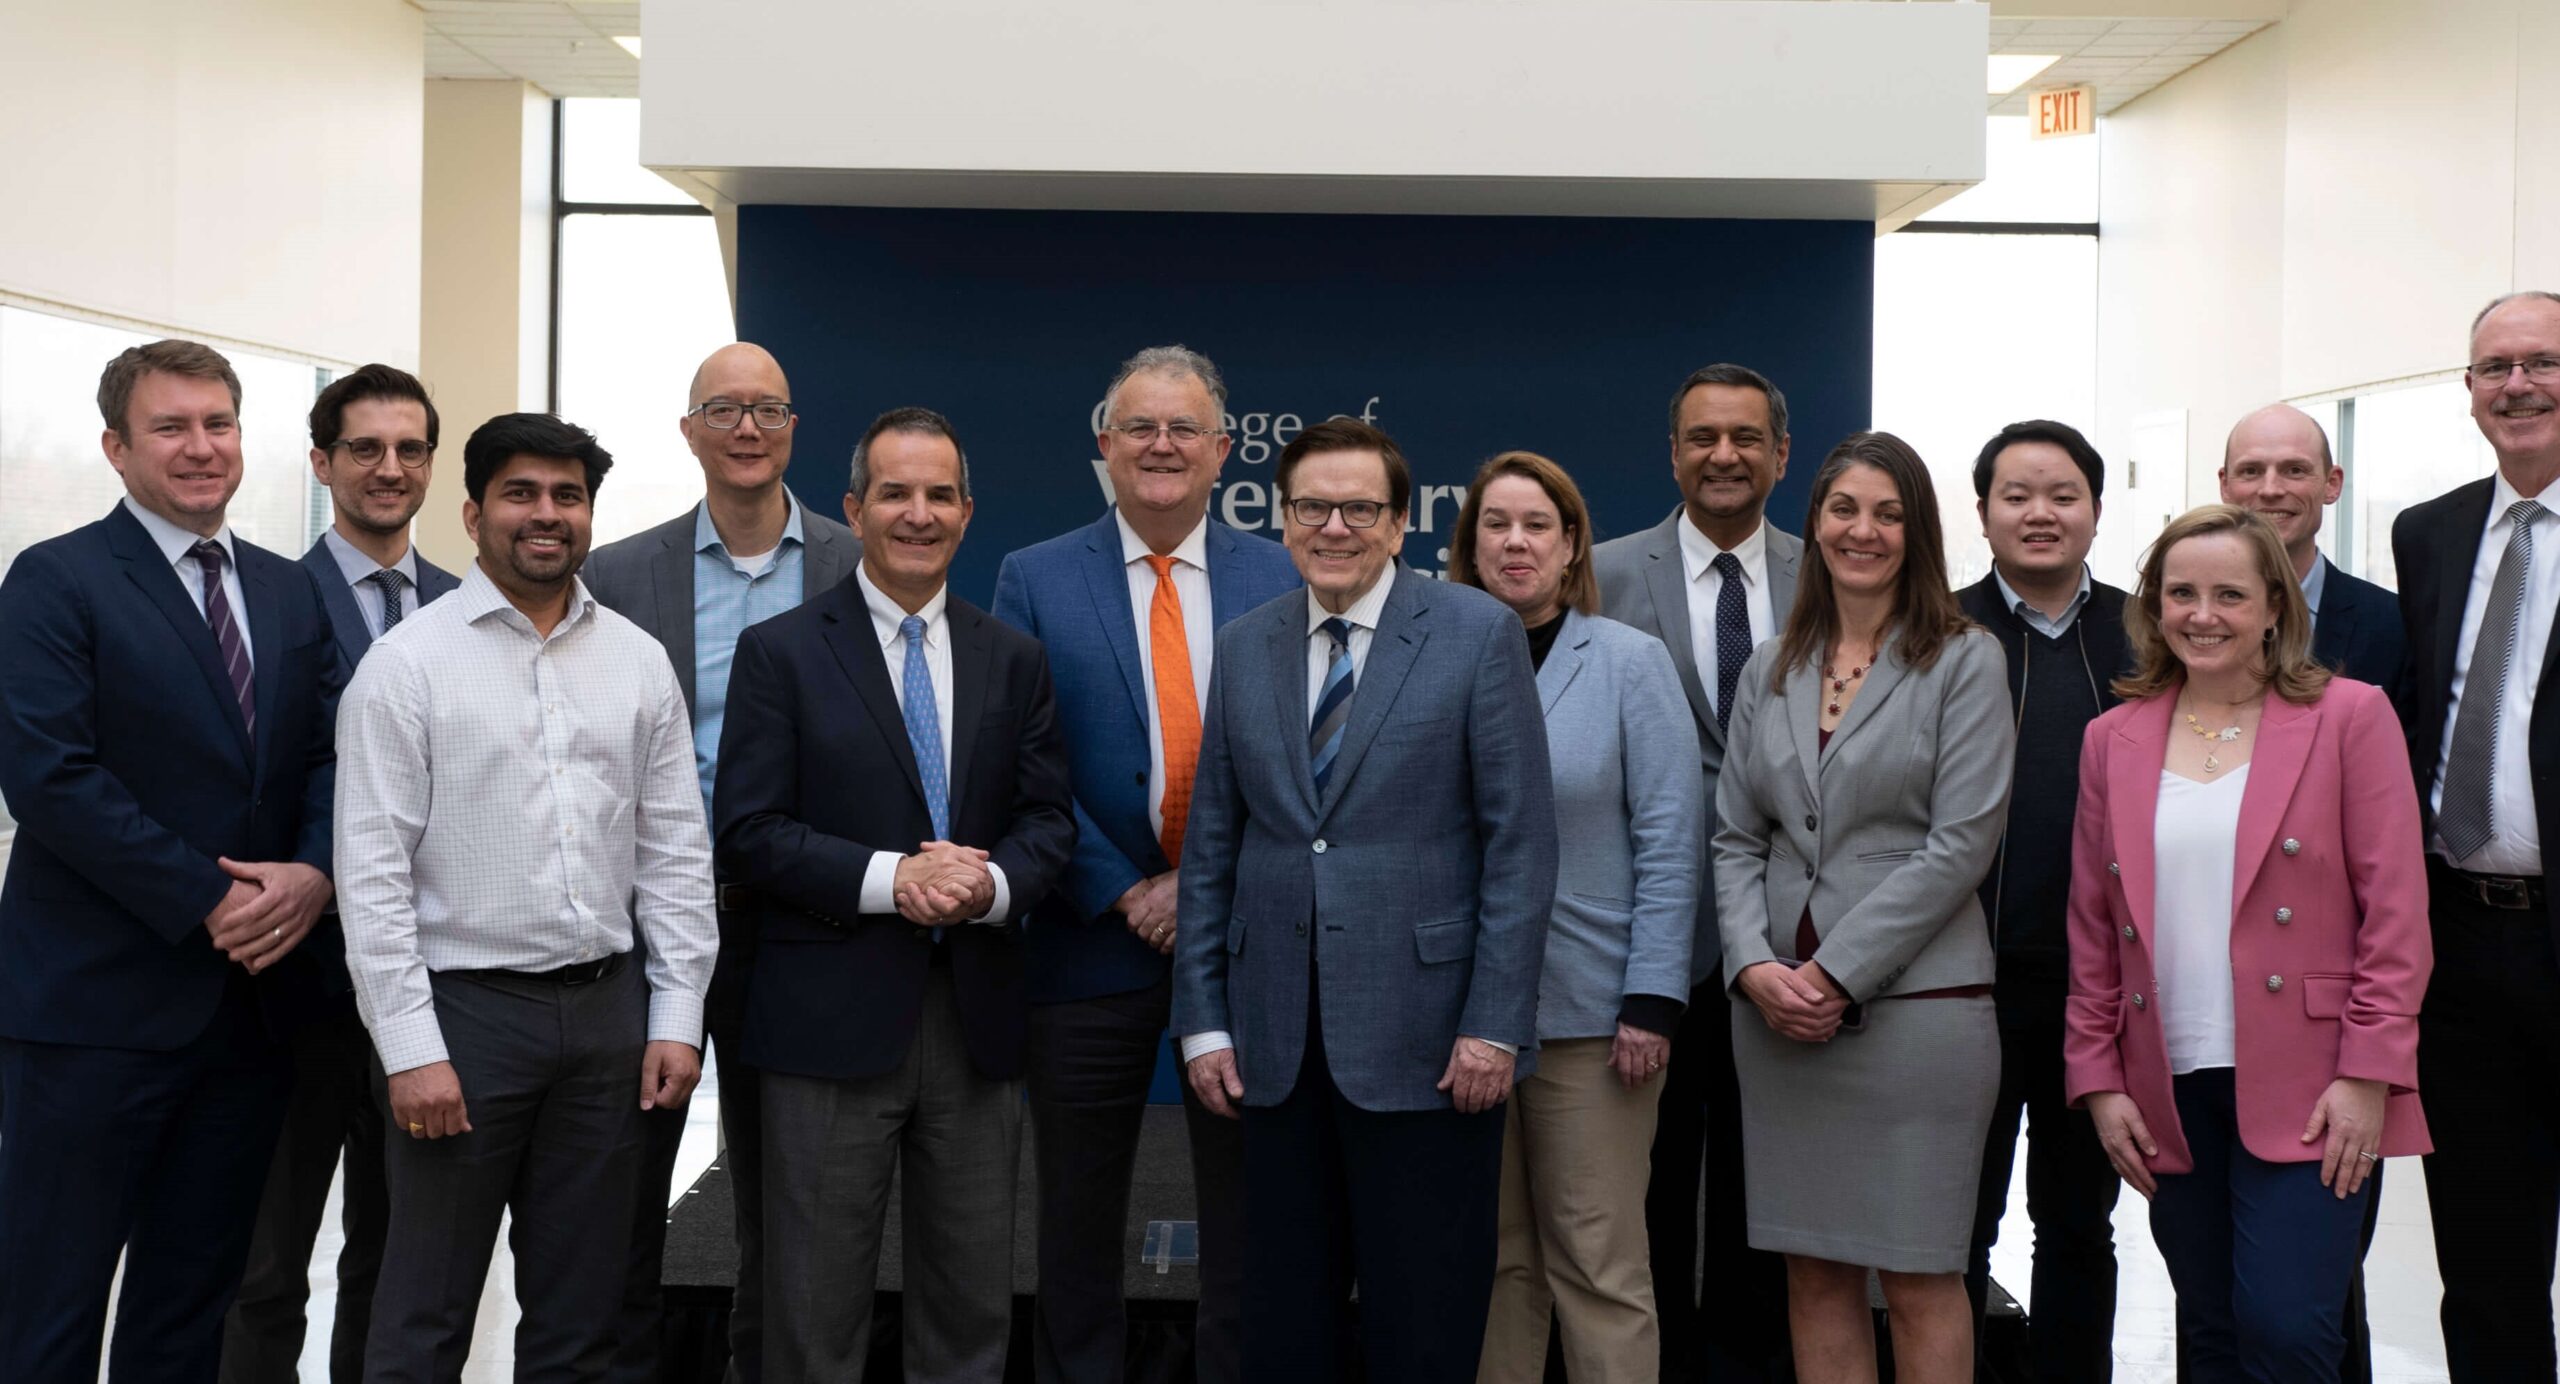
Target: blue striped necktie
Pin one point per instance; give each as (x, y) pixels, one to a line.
(1333, 703)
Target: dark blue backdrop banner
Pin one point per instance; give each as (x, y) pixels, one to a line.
(1461, 336)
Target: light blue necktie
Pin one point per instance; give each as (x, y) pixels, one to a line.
(924, 729)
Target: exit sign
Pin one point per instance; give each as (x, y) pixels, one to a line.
(2068, 111)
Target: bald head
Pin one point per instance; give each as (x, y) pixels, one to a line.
(2277, 464)
(738, 361)
(748, 460)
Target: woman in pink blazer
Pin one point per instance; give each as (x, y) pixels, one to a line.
(2249, 945)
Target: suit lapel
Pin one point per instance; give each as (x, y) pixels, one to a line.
(856, 646)
(1803, 702)
(266, 640)
(1288, 651)
(1106, 579)
(2285, 733)
(972, 664)
(1393, 646)
(1227, 596)
(346, 618)
(671, 584)
(2335, 631)
(2466, 522)
(1563, 661)
(1880, 680)
(145, 566)
(1783, 552)
(2140, 750)
(1666, 583)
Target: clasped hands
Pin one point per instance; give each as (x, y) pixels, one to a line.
(1799, 1002)
(943, 884)
(1150, 905)
(267, 912)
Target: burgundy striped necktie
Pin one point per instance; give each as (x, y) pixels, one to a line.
(226, 632)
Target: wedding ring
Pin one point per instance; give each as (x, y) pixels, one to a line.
(417, 1128)
(2368, 1157)
(277, 935)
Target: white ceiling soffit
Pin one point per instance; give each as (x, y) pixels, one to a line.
(565, 47)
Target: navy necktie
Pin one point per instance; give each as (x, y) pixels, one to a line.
(1333, 703)
(1733, 634)
(226, 632)
(387, 582)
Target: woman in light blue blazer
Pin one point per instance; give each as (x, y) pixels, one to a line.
(1630, 809)
(1866, 780)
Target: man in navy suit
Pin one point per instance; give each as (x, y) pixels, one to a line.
(373, 444)
(1127, 608)
(166, 694)
(2277, 463)
(1367, 876)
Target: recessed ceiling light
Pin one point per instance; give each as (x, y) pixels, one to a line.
(631, 44)
(2009, 71)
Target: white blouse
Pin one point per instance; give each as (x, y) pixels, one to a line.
(2194, 838)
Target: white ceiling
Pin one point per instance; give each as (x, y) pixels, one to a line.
(565, 47)
(2122, 58)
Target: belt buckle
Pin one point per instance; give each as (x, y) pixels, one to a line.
(585, 972)
(2504, 891)
(729, 898)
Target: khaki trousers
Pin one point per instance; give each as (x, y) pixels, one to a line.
(1575, 1161)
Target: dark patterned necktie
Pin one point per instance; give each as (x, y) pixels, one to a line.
(226, 632)
(1333, 703)
(1733, 634)
(388, 583)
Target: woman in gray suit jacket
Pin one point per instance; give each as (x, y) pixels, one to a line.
(1630, 809)
(1866, 777)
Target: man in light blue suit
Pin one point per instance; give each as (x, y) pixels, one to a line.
(1116, 603)
(1369, 869)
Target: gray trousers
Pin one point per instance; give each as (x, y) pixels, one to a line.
(954, 1137)
(551, 1085)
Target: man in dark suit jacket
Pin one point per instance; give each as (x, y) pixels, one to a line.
(892, 793)
(1108, 601)
(2479, 595)
(2277, 463)
(166, 692)
(1728, 449)
(747, 553)
(373, 444)
(1367, 878)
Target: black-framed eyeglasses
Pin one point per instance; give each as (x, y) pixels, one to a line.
(722, 414)
(368, 451)
(1356, 514)
(2493, 373)
(1145, 431)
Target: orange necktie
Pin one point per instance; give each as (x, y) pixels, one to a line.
(1177, 706)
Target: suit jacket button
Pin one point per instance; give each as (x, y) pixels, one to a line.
(1808, 821)
(1302, 929)
(1808, 872)
(2274, 983)
(1319, 845)
(2114, 869)
(2137, 999)
(2128, 931)
(1142, 778)
(2284, 915)
(2292, 847)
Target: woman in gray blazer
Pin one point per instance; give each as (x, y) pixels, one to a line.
(1630, 809)
(1866, 777)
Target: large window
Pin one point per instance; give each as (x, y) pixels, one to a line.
(642, 299)
(2400, 444)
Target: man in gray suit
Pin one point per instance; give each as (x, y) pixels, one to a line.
(748, 552)
(1365, 889)
(1711, 581)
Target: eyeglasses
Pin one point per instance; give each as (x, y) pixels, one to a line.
(1145, 431)
(1356, 514)
(2493, 373)
(368, 451)
(724, 415)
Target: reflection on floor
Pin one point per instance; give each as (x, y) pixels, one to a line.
(2400, 1277)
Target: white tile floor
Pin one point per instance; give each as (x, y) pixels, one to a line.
(2400, 1278)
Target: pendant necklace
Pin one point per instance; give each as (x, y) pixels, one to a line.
(1841, 684)
(2224, 736)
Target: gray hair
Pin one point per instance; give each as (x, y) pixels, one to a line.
(2503, 299)
(1742, 376)
(918, 422)
(1171, 360)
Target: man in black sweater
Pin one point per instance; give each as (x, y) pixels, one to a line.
(2038, 484)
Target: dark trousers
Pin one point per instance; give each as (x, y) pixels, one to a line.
(551, 1086)
(1403, 1203)
(2259, 1252)
(2071, 1200)
(332, 1118)
(157, 1156)
(2488, 1059)
(1088, 1067)
(1739, 1331)
(636, 1352)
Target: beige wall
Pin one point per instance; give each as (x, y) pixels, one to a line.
(484, 276)
(246, 170)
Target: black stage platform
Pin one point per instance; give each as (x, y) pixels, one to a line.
(701, 1266)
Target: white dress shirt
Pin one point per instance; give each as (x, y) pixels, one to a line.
(2515, 839)
(880, 879)
(2195, 838)
(1697, 561)
(1191, 583)
(358, 569)
(176, 544)
(513, 802)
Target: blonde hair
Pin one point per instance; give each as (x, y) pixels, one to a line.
(2291, 672)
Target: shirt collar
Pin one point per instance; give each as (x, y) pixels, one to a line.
(1363, 613)
(1698, 552)
(355, 566)
(2503, 496)
(706, 539)
(2316, 583)
(174, 542)
(887, 615)
(1192, 551)
(477, 598)
(2017, 604)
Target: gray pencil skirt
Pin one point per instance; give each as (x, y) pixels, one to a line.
(1868, 1149)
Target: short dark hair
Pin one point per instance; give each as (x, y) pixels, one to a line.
(921, 422)
(171, 357)
(376, 381)
(1730, 374)
(510, 435)
(2093, 468)
(1347, 435)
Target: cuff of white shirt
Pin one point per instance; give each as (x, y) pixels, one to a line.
(880, 883)
(409, 1042)
(1000, 911)
(675, 1016)
(1511, 1048)
(1198, 1045)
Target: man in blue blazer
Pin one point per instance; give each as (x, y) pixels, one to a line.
(1366, 882)
(373, 444)
(2277, 463)
(166, 694)
(1113, 602)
